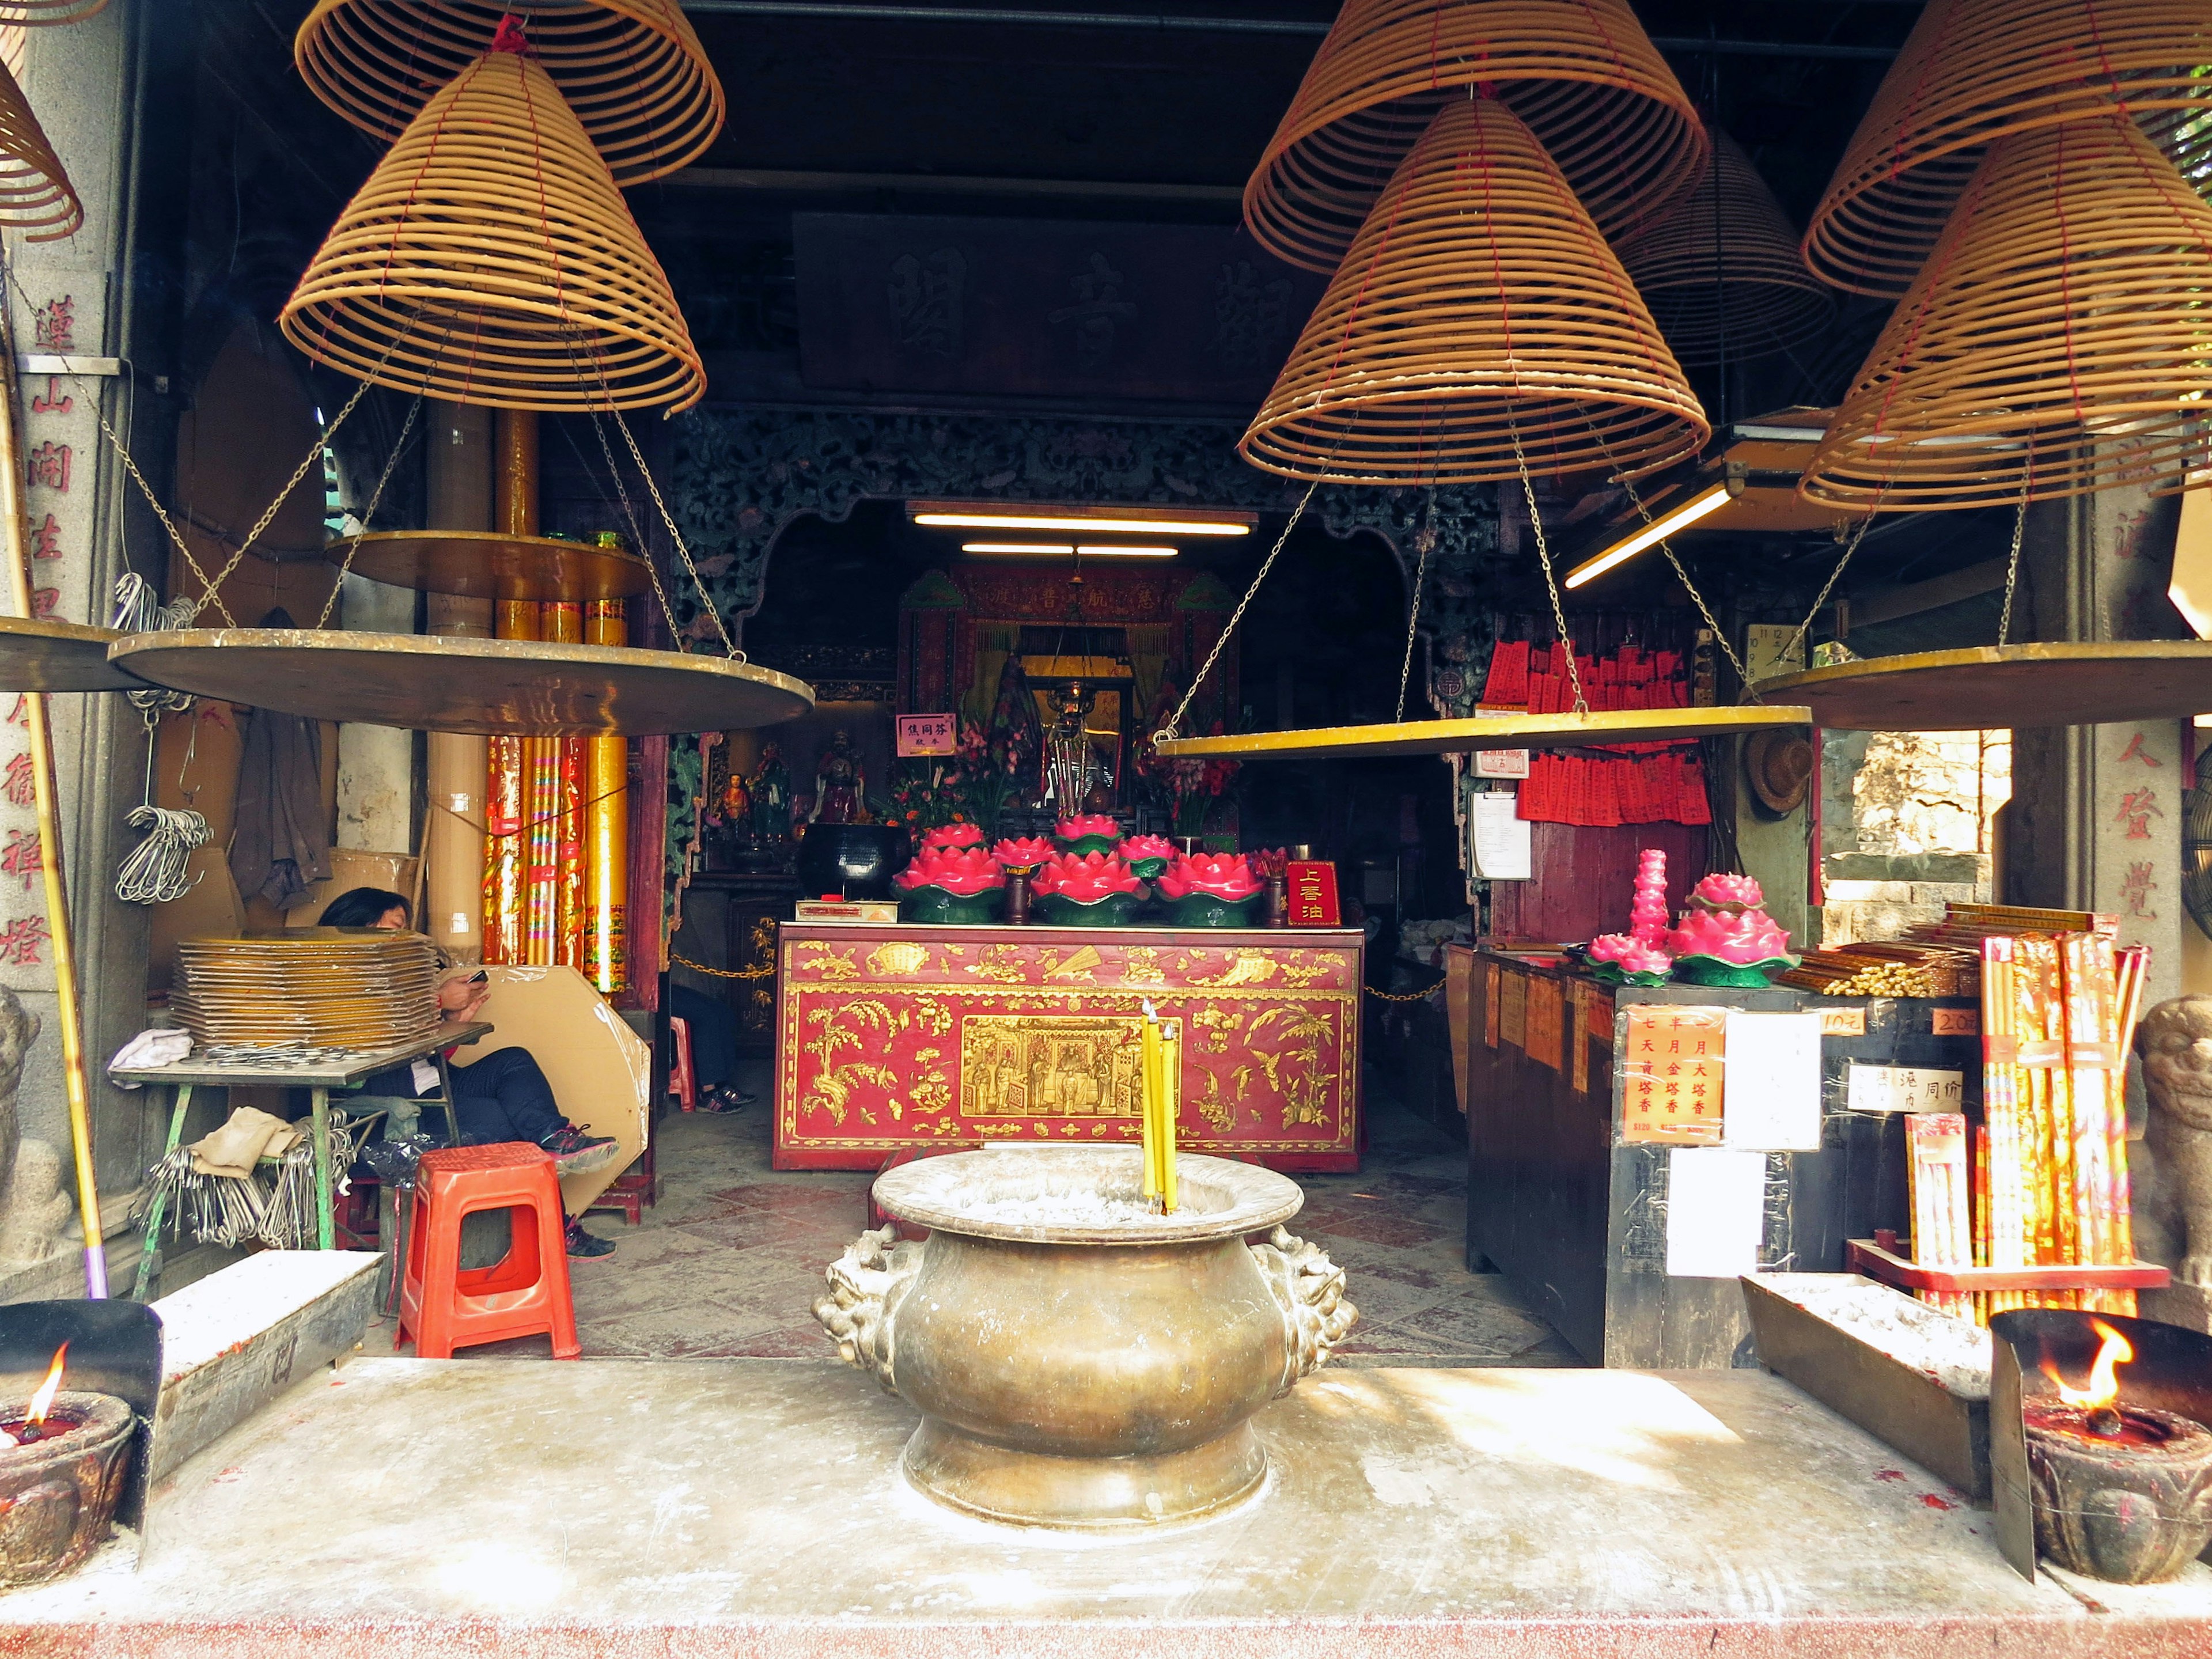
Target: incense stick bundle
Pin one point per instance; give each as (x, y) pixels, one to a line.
(1941, 1229)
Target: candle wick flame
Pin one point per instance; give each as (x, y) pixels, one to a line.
(2103, 1388)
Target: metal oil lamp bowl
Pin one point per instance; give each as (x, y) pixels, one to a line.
(1078, 1361)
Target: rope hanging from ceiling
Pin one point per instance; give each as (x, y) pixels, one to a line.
(2058, 342)
(1975, 71)
(633, 69)
(1582, 73)
(1721, 271)
(1480, 320)
(491, 260)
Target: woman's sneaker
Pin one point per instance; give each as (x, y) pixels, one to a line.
(581, 1243)
(575, 1152)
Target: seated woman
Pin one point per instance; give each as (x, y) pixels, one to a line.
(502, 1097)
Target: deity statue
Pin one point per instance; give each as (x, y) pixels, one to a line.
(839, 785)
(1070, 765)
(770, 794)
(735, 805)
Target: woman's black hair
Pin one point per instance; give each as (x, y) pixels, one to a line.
(364, 907)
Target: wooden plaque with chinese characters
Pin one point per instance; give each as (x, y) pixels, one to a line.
(1670, 1067)
(893, 1037)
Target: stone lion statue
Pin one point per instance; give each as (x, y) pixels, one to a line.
(2171, 1170)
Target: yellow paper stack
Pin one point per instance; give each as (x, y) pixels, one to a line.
(1161, 1075)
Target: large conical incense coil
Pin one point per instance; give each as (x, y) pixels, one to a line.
(36, 197)
(490, 260)
(1974, 70)
(633, 69)
(1480, 324)
(2058, 342)
(1582, 73)
(1721, 271)
(37, 12)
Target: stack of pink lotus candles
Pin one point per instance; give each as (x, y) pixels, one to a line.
(1647, 916)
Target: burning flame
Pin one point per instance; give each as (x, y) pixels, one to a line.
(43, 1400)
(2104, 1386)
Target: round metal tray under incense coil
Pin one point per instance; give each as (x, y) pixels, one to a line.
(483, 564)
(37, 654)
(1498, 731)
(491, 687)
(633, 69)
(1991, 685)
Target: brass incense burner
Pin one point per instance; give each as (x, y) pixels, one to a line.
(1078, 1361)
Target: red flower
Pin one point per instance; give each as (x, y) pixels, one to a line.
(1224, 876)
(1025, 854)
(965, 870)
(1097, 823)
(1269, 862)
(1147, 847)
(951, 836)
(1085, 879)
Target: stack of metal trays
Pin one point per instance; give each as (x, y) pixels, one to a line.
(323, 986)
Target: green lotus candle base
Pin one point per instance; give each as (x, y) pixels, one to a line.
(1115, 910)
(1083, 845)
(1732, 976)
(1209, 911)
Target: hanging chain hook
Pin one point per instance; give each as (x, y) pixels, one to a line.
(1544, 553)
(1169, 732)
(2012, 562)
(1424, 539)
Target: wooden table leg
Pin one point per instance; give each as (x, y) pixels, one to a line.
(149, 1251)
(325, 1231)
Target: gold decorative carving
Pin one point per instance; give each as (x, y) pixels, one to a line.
(834, 1086)
(1076, 1066)
(1078, 964)
(901, 957)
(828, 962)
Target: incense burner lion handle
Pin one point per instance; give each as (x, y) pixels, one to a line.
(866, 1285)
(1309, 1290)
(2172, 1172)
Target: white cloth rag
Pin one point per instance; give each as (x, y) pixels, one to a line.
(161, 1046)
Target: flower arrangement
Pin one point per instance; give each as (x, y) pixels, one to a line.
(1269, 862)
(951, 884)
(947, 836)
(1191, 786)
(1088, 889)
(1206, 890)
(1022, 854)
(1147, 854)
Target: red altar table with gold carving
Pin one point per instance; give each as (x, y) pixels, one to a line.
(890, 1037)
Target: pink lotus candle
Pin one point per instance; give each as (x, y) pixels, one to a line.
(1647, 915)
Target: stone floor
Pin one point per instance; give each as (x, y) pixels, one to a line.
(727, 1263)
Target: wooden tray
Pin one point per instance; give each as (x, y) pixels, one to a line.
(1865, 1255)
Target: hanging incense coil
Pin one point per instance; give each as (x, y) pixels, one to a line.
(38, 12)
(1480, 324)
(633, 69)
(36, 197)
(1975, 71)
(1582, 73)
(2058, 342)
(489, 259)
(1721, 269)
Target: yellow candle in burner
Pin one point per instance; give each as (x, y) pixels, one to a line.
(1170, 1105)
(1148, 1092)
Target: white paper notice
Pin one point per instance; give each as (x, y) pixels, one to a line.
(1906, 1089)
(1501, 838)
(1773, 1082)
(1716, 1210)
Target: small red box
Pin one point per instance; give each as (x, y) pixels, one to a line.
(1313, 893)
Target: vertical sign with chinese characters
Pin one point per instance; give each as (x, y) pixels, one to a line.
(1670, 1071)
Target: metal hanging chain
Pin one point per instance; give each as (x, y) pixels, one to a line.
(1829, 586)
(1425, 539)
(1173, 728)
(376, 497)
(1544, 553)
(683, 551)
(2012, 563)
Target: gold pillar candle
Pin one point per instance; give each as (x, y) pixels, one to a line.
(1148, 1096)
(507, 813)
(606, 827)
(564, 623)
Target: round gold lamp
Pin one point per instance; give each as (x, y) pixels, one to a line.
(1480, 327)
(1582, 73)
(633, 69)
(1973, 71)
(490, 260)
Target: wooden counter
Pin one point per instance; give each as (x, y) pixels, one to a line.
(890, 1037)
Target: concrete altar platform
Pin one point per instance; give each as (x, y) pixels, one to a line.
(680, 1508)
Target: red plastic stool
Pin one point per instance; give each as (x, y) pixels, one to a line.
(525, 1293)
(683, 1082)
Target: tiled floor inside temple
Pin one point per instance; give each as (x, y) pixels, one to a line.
(728, 1262)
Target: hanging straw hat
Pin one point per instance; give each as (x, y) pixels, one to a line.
(633, 69)
(1582, 73)
(1480, 321)
(1721, 271)
(1778, 762)
(2058, 341)
(490, 260)
(36, 197)
(1973, 70)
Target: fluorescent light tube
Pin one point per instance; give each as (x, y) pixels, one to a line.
(1653, 533)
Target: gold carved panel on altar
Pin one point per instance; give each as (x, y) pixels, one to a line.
(1033, 1066)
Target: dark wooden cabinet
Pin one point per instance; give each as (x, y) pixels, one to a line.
(735, 913)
